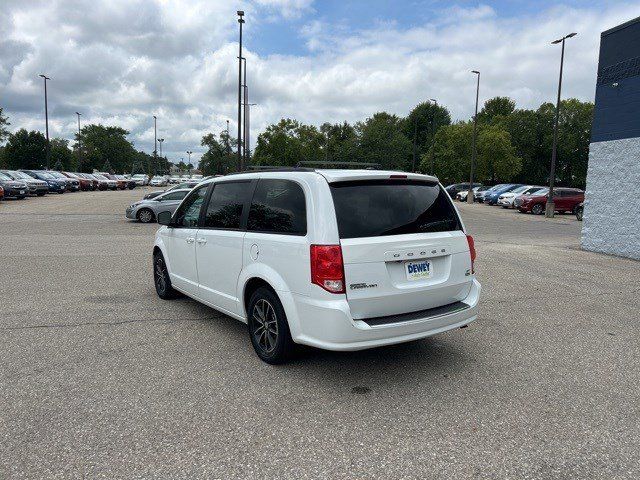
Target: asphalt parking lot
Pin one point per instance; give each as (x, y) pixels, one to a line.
(102, 379)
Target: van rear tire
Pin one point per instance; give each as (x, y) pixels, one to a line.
(268, 327)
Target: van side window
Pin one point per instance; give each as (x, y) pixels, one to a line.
(188, 213)
(278, 206)
(226, 204)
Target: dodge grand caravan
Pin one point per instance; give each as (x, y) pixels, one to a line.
(335, 259)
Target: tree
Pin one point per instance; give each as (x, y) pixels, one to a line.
(497, 160)
(61, 156)
(450, 157)
(495, 108)
(382, 141)
(26, 150)
(4, 122)
(423, 122)
(101, 144)
(287, 143)
(218, 159)
(340, 142)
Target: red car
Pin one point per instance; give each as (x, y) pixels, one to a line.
(1, 192)
(85, 184)
(565, 200)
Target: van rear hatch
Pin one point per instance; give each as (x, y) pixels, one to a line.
(403, 246)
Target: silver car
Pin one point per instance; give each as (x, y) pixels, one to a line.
(147, 211)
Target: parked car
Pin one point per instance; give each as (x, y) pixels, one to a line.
(189, 184)
(140, 179)
(147, 211)
(73, 184)
(478, 195)
(453, 190)
(336, 259)
(492, 198)
(121, 183)
(174, 179)
(36, 187)
(481, 196)
(579, 211)
(196, 177)
(55, 185)
(1, 192)
(462, 195)
(13, 188)
(85, 184)
(158, 181)
(564, 199)
(93, 182)
(506, 200)
(110, 184)
(130, 184)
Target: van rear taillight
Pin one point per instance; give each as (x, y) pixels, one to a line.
(472, 251)
(327, 268)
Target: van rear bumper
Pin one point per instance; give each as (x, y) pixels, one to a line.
(329, 325)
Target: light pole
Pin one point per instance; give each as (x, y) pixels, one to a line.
(550, 207)
(189, 152)
(228, 140)
(433, 137)
(240, 21)
(79, 145)
(164, 164)
(161, 140)
(475, 138)
(46, 118)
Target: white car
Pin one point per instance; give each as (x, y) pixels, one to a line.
(158, 181)
(140, 179)
(335, 259)
(196, 177)
(174, 179)
(506, 199)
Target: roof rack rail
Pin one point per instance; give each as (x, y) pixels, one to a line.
(366, 165)
(271, 168)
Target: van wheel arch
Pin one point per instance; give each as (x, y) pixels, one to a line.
(251, 286)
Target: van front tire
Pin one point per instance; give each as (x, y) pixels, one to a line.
(268, 327)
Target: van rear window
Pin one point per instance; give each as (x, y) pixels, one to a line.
(392, 207)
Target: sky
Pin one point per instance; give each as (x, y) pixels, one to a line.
(119, 62)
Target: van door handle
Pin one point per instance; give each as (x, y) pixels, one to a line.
(190, 239)
(201, 241)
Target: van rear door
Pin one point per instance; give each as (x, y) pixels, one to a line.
(403, 246)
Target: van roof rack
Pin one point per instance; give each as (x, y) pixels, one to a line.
(324, 164)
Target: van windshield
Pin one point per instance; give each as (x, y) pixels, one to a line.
(373, 208)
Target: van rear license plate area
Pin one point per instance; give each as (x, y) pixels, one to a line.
(417, 270)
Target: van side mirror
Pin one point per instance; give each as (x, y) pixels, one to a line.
(164, 218)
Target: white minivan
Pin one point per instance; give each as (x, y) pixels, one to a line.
(335, 259)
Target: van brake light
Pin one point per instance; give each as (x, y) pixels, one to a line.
(327, 268)
(472, 251)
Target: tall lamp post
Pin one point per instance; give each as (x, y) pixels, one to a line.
(189, 152)
(240, 21)
(46, 119)
(475, 140)
(433, 137)
(79, 145)
(164, 164)
(550, 207)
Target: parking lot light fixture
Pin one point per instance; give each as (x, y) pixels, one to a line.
(433, 136)
(475, 140)
(46, 119)
(550, 207)
(241, 22)
(79, 145)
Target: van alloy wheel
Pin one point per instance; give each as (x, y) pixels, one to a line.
(265, 325)
(268, 327)
(161, 279)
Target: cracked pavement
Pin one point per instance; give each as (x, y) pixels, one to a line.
(101, 379)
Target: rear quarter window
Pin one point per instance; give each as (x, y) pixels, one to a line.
(392, 207)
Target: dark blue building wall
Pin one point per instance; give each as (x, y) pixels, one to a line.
(617, 109)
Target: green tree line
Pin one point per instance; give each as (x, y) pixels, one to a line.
(512, 144)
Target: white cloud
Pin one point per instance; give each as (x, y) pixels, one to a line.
(120, 62)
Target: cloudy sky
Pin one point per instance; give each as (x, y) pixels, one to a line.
(121, 61)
